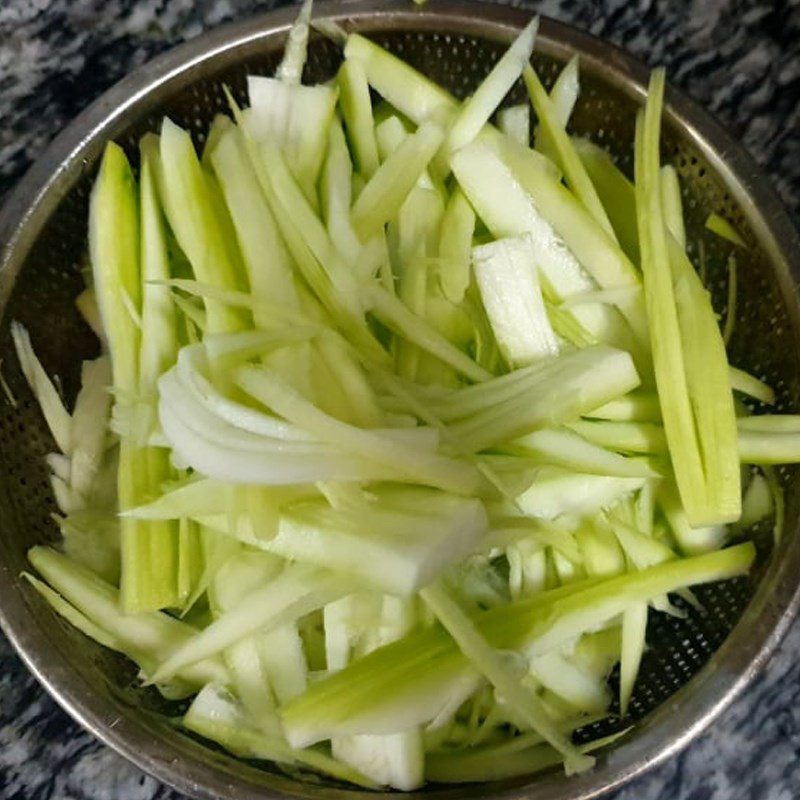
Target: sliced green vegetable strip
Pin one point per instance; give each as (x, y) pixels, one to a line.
(268, 265)
(672, 204)
(489, 662)
(290, 69)
(409, 91)
(665, 334)
(114, 253)
(615, 191)
(708, 379)
(356, 109)
(476, 111)
(381, 198)
(150, 558)
(719, 225)
(192, 216)
(574, 171)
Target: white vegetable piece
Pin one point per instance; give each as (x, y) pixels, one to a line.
(505, 271)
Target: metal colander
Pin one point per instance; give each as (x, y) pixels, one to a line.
(692, 668)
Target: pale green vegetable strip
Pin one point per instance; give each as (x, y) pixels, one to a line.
(719, 225)
(363, 404)
(73, 616)
(217, 716)
(634, 625)
(395, 315)
(757, 503)
(330, 30)
(506, 275)
(555, 492)
(395, 543)
(748, 384)
(576, 175)
(55, 414)
(290, 69)
(191, 213)
(353, 626)
(114, 253)
(615, 191)
(758, 447)
(515, 122)
(159, 340)
(406, 682)
(409, 91)
(455, 244)
(499, 762)
(707, 377)
(779, 501)
(86, 303)
(296, 118)
(665, 333)
(565, 678)
(564, 93)
(149, 634)
(356, 108)
(489, 662)
(476, 111)
(597, 252)
(672, 204)
(691, 540)
(508, 210)
(425, 466)
(412, 292)
(190, 561)
(296, 592)
(770, 423)
(309, 244)
(567, 387)
(635, 407)
(730, 314)
(150, 556)
(631, 437)
(336, 193)
(381, 198)
(269, 268)
(565, 448)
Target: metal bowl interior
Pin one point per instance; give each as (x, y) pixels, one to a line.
(692, 668)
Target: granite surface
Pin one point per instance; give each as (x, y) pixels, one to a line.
(739, 59)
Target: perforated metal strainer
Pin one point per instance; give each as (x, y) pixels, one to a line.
(692, 669)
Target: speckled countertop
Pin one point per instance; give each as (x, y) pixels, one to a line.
(739, 59)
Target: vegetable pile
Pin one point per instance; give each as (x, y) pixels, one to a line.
(411, 425)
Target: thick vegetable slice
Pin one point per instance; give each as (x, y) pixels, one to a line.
(297, 119)
(505, 271)
(396, 541)
(477, 110)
